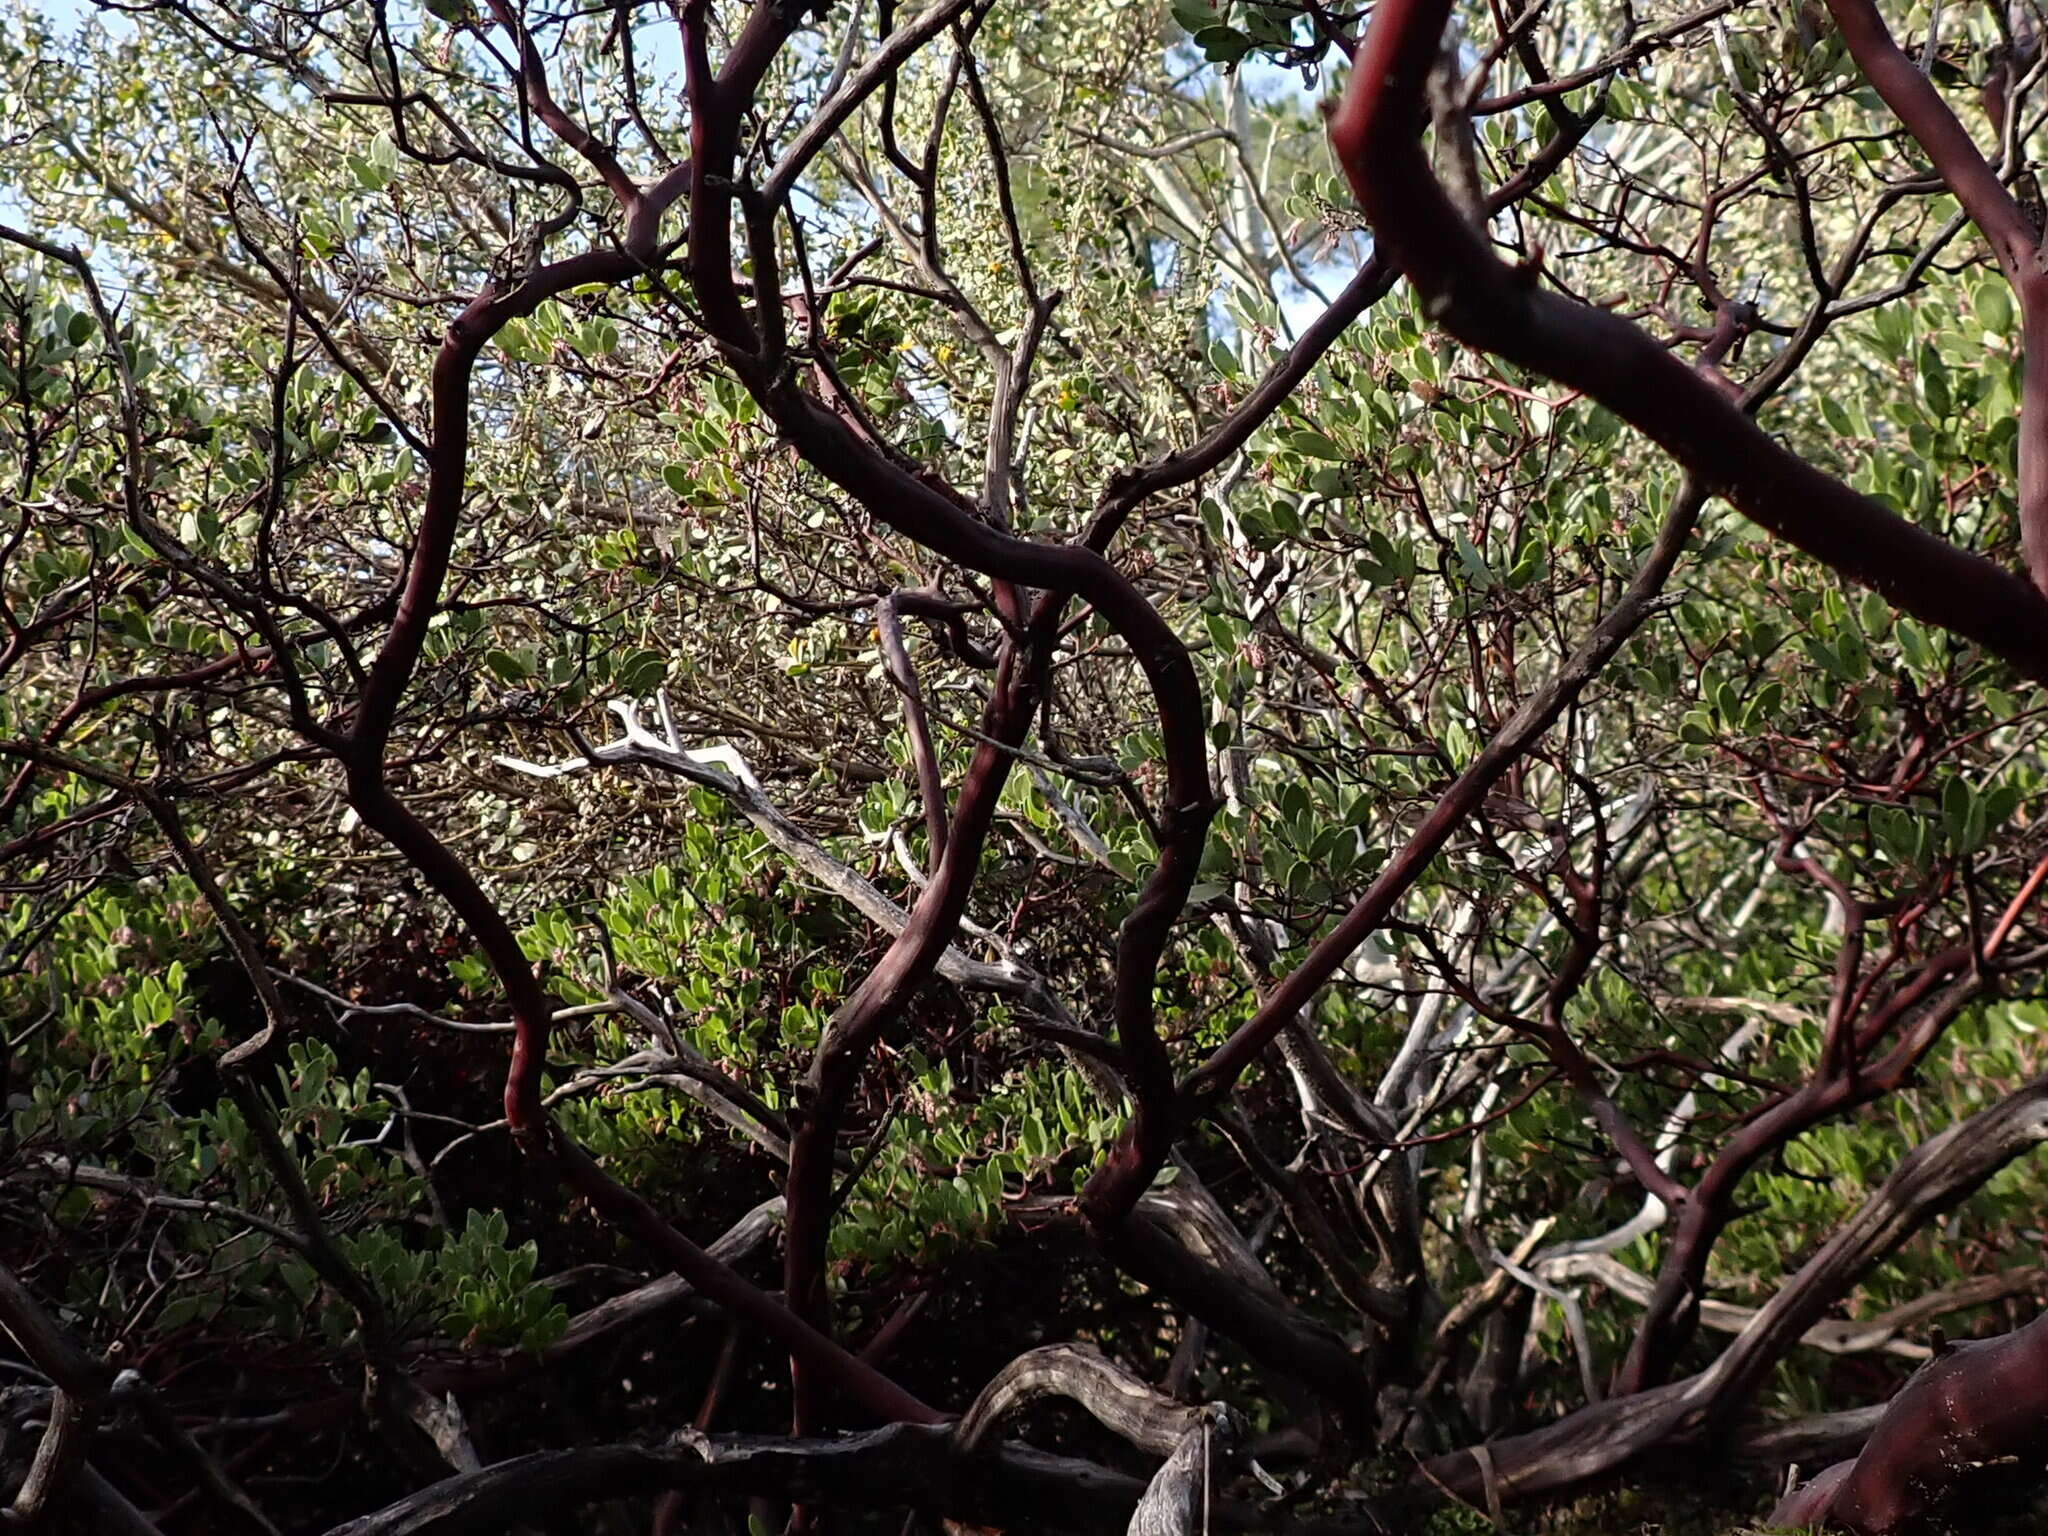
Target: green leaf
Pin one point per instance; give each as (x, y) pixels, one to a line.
(1993, 303)
(1474, 562)
(188, 1308)
(512, 666)
(641, 672)
(1223, 634)
(1763, 705)
(1223, 45)
(1999, 804)
(1957, 803)
(369, 175)
(1316, 445)
(1727, 704)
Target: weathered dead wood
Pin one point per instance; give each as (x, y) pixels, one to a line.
(1121, 1403)
(1177, 1503)
(1884, 1333)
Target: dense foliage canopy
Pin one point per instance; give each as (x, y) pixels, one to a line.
(965, 765)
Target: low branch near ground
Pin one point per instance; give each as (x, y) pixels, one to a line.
(79, 1386)
(881, 1469)
(1598, 1440)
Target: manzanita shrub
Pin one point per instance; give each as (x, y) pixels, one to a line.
(735, 734)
